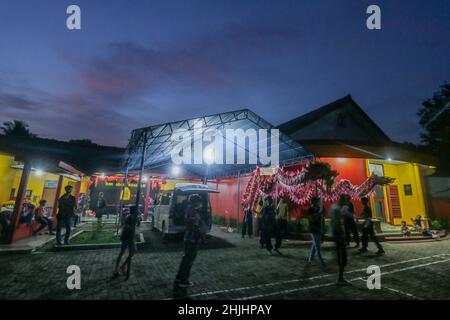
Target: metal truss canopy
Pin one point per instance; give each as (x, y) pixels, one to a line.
(152, 146)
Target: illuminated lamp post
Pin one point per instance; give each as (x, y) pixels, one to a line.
(208, 158)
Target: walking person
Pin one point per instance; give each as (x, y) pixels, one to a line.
(337, 233)
(368, 230)
(128, 242)
(281, 224)
(66, 208)
(80, 210)
(101, 207)
(247, 223)
(316, 228)
(258, 221)
(141, 209)
(39, 217)
(192, 237)
(267, 224)
(349, 223)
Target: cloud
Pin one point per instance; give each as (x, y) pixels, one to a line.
(13, 102)
(214, 60)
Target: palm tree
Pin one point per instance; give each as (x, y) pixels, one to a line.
(16, 129)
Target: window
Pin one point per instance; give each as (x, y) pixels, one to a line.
(408, 189)
(377, 169)
(164, 199)
(51, 184)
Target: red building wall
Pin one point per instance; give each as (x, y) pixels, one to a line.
(226, 202)
(441, 208)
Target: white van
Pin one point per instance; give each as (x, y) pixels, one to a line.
(171, 206)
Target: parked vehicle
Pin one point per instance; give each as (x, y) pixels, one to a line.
(171, 205)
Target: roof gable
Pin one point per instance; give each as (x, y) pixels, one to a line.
(342, 120)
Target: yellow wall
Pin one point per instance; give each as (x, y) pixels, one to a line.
(35, 183)
(84, 184)
(405, 173)
(10, 178)
(7, 176)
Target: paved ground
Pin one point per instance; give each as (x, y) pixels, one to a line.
(229, 268)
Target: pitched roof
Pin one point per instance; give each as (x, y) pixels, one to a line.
(393, 150)
(307, 119)
(88, 158)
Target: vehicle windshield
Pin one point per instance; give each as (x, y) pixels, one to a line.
(181, 202)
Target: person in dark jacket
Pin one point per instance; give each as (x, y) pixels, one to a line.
(368, 231)
(267, 224)
(316, 228)
(337, 233)
(247, 223)
(349, 223)
(101, 207)
(193, 235)
(66, 209)
(128, 242)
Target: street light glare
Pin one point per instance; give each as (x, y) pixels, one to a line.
(176, 170)
(39, 172)
(208, 155)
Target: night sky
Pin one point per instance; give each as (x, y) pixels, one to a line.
(138, 63)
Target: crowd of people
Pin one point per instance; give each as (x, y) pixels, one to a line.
(342, 229)
(69, 211)
(272, 223)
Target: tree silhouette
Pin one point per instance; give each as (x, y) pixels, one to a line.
(16, 129)
(435, 120)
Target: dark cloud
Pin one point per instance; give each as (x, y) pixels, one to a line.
(15, 103)
(211, 61)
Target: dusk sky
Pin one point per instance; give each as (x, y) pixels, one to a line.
(138, 63)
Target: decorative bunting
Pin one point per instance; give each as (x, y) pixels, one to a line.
(295, 186)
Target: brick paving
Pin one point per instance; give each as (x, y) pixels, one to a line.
(229, 267)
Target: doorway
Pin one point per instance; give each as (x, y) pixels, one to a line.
(49, 194)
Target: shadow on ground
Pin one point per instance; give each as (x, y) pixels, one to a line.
(154, 242)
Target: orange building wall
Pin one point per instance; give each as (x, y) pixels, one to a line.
(351, 169)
